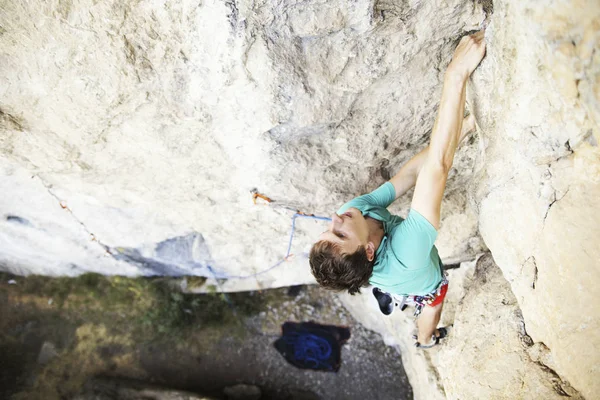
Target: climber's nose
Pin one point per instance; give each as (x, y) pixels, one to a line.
(336, 220)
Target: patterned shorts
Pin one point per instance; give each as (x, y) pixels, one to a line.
(431, 299)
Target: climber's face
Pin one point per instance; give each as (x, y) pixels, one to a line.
(348, 230)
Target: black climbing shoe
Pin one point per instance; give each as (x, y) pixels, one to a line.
(435, 340)
(445, 331)
(386, 303)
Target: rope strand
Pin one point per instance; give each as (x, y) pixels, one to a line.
(289, 249)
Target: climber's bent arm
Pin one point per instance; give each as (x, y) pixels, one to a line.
(445, 135)
(406, 178)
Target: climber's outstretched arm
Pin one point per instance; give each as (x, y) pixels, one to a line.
(431, 180)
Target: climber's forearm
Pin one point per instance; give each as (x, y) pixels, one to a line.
(446, 132)
(406, 178)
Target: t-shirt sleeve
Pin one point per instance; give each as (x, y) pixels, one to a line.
(413, 240)
(383, 196)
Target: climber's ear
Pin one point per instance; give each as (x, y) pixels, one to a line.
(370, 248)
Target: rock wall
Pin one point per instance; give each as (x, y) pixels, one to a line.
(489, 354)
(422, 369)
(134, 133)
(537, 99)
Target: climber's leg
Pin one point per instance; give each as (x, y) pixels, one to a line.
(427, 323)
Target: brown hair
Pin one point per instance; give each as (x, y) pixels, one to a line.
(336, 271)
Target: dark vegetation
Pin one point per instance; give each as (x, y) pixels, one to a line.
(155, 303)
(119, 316)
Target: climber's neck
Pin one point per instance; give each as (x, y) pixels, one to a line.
(376, 232)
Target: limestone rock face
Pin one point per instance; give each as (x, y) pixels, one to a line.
(133, 135)
(538, 184)
(487, 355)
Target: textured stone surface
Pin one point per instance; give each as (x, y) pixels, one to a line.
(398, 328)
(116, 389)
(487, 356)
(537, 99)
(242, 392)
(132, 133)
(152, 121)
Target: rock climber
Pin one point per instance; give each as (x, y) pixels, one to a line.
(366, 245)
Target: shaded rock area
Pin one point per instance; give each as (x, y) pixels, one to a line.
(95, 337)
(113, 389)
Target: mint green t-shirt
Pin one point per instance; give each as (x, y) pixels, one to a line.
(406, 262)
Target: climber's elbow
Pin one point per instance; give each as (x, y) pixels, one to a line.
(440, 161)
